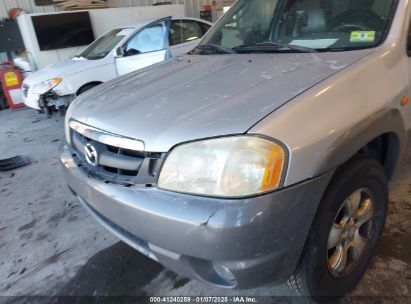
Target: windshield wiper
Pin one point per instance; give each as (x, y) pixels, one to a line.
(214, 48)
(271, 46)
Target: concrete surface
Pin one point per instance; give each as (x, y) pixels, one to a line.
(49, 245)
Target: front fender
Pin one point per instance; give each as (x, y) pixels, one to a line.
(352, 140)
(327, 125)
(72, 83)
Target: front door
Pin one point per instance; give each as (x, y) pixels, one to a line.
(146, 47)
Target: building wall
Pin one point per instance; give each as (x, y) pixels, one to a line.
(3, 57)
(27, 5)
(192, 7)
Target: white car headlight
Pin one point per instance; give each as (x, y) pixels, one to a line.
(226, 167)
(46, 85)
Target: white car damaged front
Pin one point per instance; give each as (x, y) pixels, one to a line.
(116, 53)
(55, 86)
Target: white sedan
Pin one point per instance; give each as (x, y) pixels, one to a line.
(118, 52)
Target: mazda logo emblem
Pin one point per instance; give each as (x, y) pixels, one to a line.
(91, 155)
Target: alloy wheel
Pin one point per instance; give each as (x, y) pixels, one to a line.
(350, 232)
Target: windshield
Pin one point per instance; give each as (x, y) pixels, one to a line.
(299, 26)
(103, 45)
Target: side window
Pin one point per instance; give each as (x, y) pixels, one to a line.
(175, 32)
(148, 40)
(191, 31)
(204, 27)
(184, 31)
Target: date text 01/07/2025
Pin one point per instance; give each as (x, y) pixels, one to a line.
(205, 299)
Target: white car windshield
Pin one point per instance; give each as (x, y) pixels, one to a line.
(253, 26)
(104, 45)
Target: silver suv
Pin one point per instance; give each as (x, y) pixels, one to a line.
(262, 155)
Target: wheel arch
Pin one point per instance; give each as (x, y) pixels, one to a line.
(382, 136)
(93, 83)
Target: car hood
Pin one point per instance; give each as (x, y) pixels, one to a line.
(195, 97)
(63, 69)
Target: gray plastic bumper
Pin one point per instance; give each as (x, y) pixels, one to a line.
(227, 242)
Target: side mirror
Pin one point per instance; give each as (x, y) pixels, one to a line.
(119, 52)
(132, 52)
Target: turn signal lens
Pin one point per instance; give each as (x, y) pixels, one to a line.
(274, 169)
(55, 81)
(405, 100)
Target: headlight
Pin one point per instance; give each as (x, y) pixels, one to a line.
(229, 167)
(46, 85)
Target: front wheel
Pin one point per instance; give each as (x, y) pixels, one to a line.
(345, 231)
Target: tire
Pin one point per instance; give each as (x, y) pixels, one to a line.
(320, 273)
(86, 88)
(49, 111)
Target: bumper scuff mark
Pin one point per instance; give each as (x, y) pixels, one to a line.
(208, 220)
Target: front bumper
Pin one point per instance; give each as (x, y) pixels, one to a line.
(46, 100)
(259, 239)
(31, 100)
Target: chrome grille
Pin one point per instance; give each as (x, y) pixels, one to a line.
(117, 159)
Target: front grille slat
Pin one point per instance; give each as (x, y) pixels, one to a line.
(121, 162)
(78, 142)
(113, 162)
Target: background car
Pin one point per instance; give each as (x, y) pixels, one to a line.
(118, 52)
